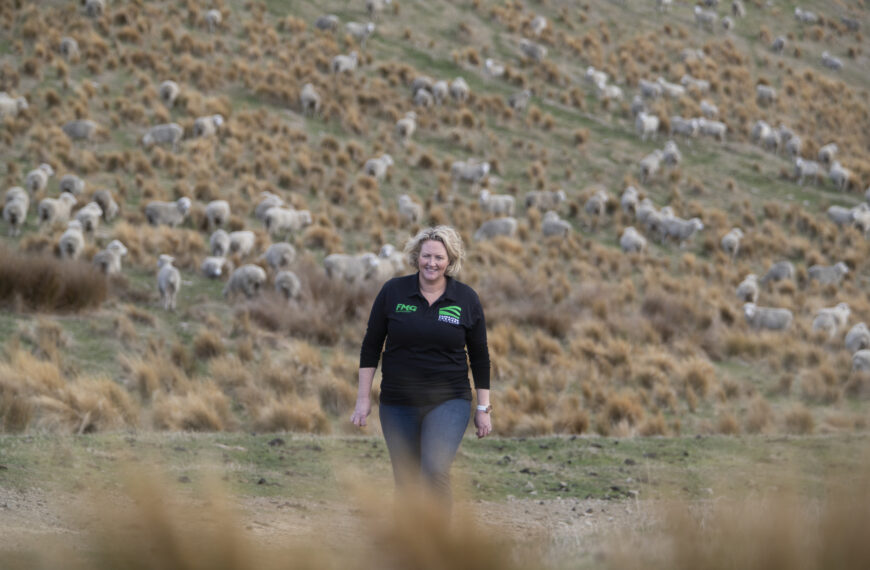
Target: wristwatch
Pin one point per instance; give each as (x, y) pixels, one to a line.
(487, 409)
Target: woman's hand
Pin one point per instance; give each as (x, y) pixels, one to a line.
(361, 412)
(483, 423)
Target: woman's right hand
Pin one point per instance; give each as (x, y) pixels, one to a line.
(361, 412)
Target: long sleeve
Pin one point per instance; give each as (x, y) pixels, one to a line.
(376, 332)
(478, 351)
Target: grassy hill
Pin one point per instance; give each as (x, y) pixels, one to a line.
(584, 338)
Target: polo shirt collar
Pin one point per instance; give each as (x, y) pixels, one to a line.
(449, 290)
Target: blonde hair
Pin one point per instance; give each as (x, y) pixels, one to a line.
(446, 235)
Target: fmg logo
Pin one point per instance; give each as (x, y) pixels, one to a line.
(402, 308)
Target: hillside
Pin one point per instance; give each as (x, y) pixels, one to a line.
(584, 338)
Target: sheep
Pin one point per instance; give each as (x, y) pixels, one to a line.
(778, 44)
(681, 230)
(705, 18)
(360, 32)
(643, 210)
(506, 226)
(55, 210)
(535, 52)
(594, 76)
(468, 171)
(771, 141)
(242, 242)
(672, 90)
(671, 155)
(778, 271)
(377, 167)
(840, 176)
(406, 126)
(709, 110)
(409, 210)
(72, 241)
(247, 280)
(747, 290)
(792, 145)
(278, 220)
(326, 23)
(493, 68)
(851, 24)
(649, 89)
(89, 216)
(218, 213)
(538, 25)
(861, 361)
(687, 127)
(37, 179)
(805, 16)
(646, 125)
(519, 101)
(69, 48)
(352, 269)
(170, 133)
(827, 153)
(109, 260)
(213, 267)
(553, 225)
(107, 204)
(730, 242)
(80, 129)
(207, 126)
(95, 8)
(421, 83)
(213, 18)
(831, 62)
(168, 281)
(637, 106)
(280, 255)
(767, 317)
(309, 100)
(631, 241)
(15, 209)
(440, 91)
(459, 90)
(840, 215)
(715, 129)
(727, 23)
(219, 243)
(72, 184)
(765, 94)
(545, 200)
(167, 213)
(608, 92)
(628, 200)
(498, 204)
(806, 169)
(267, 201)
(11, 107)
(737, 9)
(344, 63)
(288, 285)
(373, 7)
(596, 205)
(861, 218)
(650, 164)
(664, 5)
(858, 338)
(423, 98)
(831, 319)
(827, 275)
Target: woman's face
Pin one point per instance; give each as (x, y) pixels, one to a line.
(433, 261)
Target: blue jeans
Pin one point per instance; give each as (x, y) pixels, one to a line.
(423, 440)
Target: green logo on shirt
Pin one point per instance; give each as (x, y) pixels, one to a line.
(449, 314)
(402, 308)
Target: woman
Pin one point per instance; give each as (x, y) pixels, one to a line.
(428, 320)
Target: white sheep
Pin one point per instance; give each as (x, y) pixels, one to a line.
(831, 62)
(858, 338)
(267, 201)
(637, 106)
(747, 290)
(840, 176)
(207, 126)
(715, 129)
(828, 274)
(218, 213)
(650, 164)
(861, 218)
(506, 226)
(851, 24)
(538, 25)
(831, 319)
(607, 92)
(765, 94)
(631, 241)
(280, 255)
(168, 92)
(596, 205)
(459, 90)
(841, 216)
(374, 7)
(409, 210)
(288, 285)
(327, 23)
(827, 153)
(37, 179)
(767, 317)
(778, 44)
(10, 107)
(109, 260)
(779, 271)
(72, 184)
(167, 213)
(861, 361)
(545, 199)
(671, 155)
(643, 210)
(247, 280)
(689, 128)
(107, 204)
(709, 110)
(664, 5)
(672, 90)
(553, 225)
(594, 76)
(278, 220)
(213, 19)
(167, 133)
(730, 242)
(242, 242)
(168, 281)
(689, 82)
(89, 216)
(95, 8)
(344, 63)
(309, 99)
(440, 91)
(771, 141)
(705, 18)
(359, 31)
(649, 89)
(352, 269)
(377, 167)
(497, 204)
(646, 125)
(421, 83)
(806, 169)
(520, 100)
(759, 130)
(424, 98)
(214, 267)
(55, 210)
(681, 230)
(629, 199)
(406, 126)
(80, 129)
(493, 68)
(793, 146)
(727, 23)
(15, 210)
(534, 51)
(470, 171)
(805, 16)
(390, 255)
(737, 9)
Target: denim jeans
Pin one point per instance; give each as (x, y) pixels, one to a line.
(423, 440)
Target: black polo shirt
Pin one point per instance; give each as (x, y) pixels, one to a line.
(425, 354)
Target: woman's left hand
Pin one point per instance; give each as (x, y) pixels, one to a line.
(483, 423)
